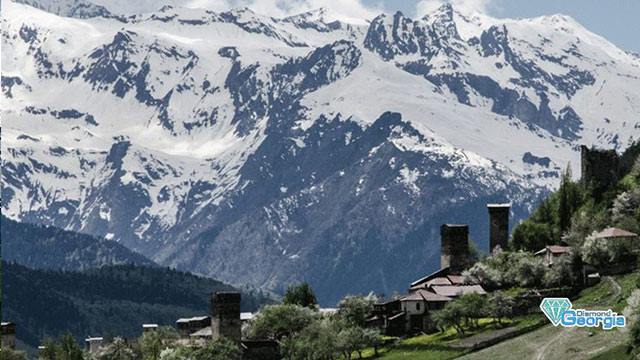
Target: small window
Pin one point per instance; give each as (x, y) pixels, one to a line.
(418, 306)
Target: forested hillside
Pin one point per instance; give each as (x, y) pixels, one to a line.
(574, 211)
(112, 300)
(47, 247)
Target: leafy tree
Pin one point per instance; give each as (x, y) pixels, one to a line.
(10, 354)
(532, 236)
(562, 273)
(452, 315)
(153, 342)
(66, 348)
(222, 349)
(356, 309)
(119, 349)
(48, 351)
(500, 306)
(507, 268)
(318, 340)
(474, 307)
(597, 252)
(355, 339)
(527, 270)
(177, 353)
(569, 198)
(301, 294)
(279, 321)
(589, 218)
(632, 315)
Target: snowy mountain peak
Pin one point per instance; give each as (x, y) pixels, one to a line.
(261, 149)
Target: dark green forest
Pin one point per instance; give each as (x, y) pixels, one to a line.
(47, 247)
(112, 300)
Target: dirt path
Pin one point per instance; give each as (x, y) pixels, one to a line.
(542, 349)
(549, 343)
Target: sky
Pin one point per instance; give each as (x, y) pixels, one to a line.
(616, 20)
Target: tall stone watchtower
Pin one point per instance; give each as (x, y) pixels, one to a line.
(600, 169)
(225, 316)
(454, 247)
(498, 225)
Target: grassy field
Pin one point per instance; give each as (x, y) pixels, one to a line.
(552, 343)
(442, 345)
(616, 353)
(560, 343)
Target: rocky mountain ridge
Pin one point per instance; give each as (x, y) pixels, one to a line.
(263, 151)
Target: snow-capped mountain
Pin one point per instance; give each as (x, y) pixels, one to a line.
(267, 150)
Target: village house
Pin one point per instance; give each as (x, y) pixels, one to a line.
(94, 344)
(8, 335)
(410, 314)
(149, 327)
(226, 321)
(616, 234)
(189, 326)
(550, 253)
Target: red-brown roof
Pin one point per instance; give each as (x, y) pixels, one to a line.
(554, 249)
(438, 281)
(425, 295)
(614, 233)
(456, 279)
(457, 290)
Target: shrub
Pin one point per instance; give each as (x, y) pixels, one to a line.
(152, 343)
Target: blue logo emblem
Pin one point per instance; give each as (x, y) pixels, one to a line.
(554, 308)
(560, 312)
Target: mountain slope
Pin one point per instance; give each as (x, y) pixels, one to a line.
(44, 247)
(266, 150)
(113, 300)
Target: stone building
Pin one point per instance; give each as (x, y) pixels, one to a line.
(188, 326)
(225, 316)
(411, 313)
(498, 226)
(600, 169)
(94, 344)
(8, 335)
(226, 321)
(454, 247)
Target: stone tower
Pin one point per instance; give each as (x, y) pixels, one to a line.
(600, 169)
(498, 225)
(454, 247)
(225, 316)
